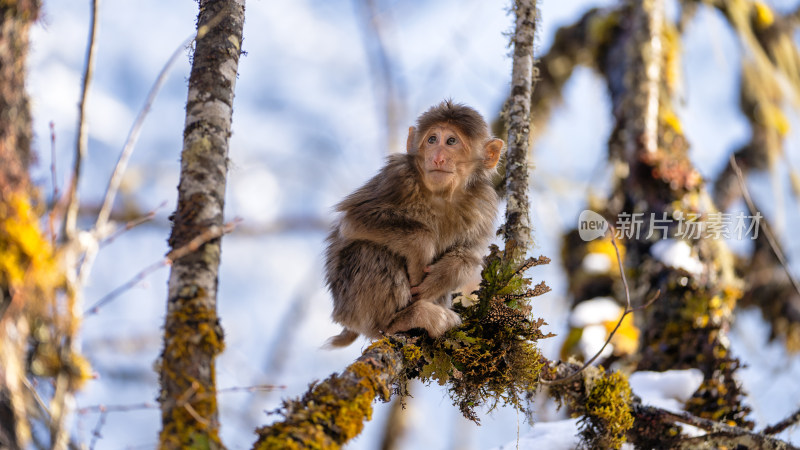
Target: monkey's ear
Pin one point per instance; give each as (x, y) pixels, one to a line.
(493, 149)
(410, 141)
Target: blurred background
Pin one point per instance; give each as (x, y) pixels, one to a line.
(326, 90)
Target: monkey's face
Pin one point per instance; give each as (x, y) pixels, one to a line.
(444, 157)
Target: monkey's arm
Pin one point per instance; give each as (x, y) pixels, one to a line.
(451, 271)
(413, 242)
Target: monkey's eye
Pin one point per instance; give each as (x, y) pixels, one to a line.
(432, 140)
(451, 141)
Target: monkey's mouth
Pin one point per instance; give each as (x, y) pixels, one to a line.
(440, 171)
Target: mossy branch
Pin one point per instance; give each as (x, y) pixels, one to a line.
(611, 415)
(491, 359)
(333, 412)
(193, 336)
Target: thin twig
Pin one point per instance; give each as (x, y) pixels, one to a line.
(783, 424)
(54, 201)
(709, 425)
(116, 408)
(621, 270)
(209, 234)
(122, 162)
(256, 388)
(92, 409)
(83, 128)
(133, 135)
(36, 397)
(101, 421)
(132, 224)
(773, 242)
(628, 310)
(392, 89)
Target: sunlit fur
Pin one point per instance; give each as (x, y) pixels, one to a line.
(394, 227)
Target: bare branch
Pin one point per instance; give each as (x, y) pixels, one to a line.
(628, 310)
(783, 424)
(773, 242)
(133, 136)
(720, 434)
(389, 87)
(83, 128)
(191, 246)
(132, 224)
(54, 201)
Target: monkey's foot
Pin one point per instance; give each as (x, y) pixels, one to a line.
(434, 319)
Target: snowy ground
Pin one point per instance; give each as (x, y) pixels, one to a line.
(308, 129)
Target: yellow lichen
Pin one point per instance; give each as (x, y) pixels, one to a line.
(332, 412)
(763, 15)
(772, 117)
(23, 247)
(192, 332)
(608, 411)
(601, 26)
(672, 56)
(671, 119)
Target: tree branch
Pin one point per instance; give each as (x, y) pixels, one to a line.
(192, 333)
(517, 229)
(334, 411)
(783, 424)
(82, 139)
(720, 435)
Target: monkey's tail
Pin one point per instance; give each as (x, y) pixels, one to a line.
(343, 339)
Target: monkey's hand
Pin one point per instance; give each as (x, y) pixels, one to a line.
(415, 277)
(450, 272)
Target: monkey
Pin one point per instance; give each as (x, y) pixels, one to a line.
(416, 231)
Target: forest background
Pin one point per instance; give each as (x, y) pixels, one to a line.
(325, 91)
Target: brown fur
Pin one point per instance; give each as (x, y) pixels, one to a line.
(403, 243)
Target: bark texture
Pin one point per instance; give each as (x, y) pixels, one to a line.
(656, 180)
(15, 117)
(15, 157)
(334, 411)
(192, 334)
(517, 232)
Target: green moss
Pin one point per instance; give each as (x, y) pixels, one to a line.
(492, 358)
(331, 412)
(192, 332)
(607, 415)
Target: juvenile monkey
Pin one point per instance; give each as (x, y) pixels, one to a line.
(416, 232)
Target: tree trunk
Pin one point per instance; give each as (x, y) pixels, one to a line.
(15, 118)
(517, 232)
(686, 326)
(192, 334)
(15, 157)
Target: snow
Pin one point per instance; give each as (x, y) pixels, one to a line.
(592, 340)
(558, 435)
(678, 254)
(595, 311)
(596, 263)
(667, 390)
(308, 128)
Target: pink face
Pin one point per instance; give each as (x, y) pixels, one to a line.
(444, 154)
